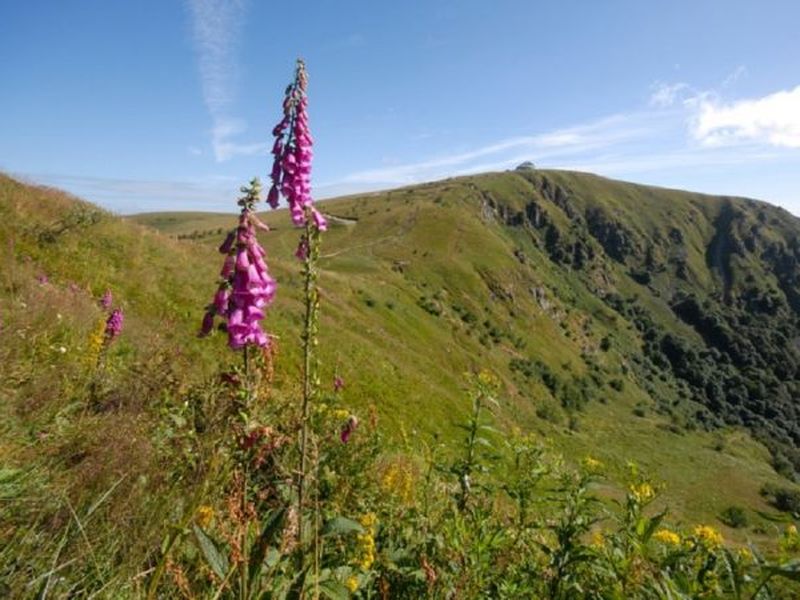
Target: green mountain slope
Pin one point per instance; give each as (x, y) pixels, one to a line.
(621, 317)
(625, 322)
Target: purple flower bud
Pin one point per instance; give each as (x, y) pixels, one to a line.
(107, 300)
(208, 324)
(272, 197)
(228, 243)
(338, 383)
(302, 249)
(348, 429)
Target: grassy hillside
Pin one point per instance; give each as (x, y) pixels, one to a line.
(624, 322)
(532, 274)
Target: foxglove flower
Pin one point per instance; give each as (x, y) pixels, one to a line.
(348, 429)
(246, 287)
(338, 383)
(292, 154)
(114, 324)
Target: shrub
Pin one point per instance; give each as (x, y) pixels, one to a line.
(734, 516)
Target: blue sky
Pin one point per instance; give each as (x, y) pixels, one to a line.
(161, 105)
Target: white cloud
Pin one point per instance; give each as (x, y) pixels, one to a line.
(217, 25)
(665, 95)
(604, 132)
(773, 120)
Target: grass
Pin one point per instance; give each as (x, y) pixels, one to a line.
(113, 466)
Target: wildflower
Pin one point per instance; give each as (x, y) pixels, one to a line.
(592, 464)
(114, 325)
(291, 167)
(338, 383)
(708, 536)
(745, 554)
(488, 379)
(246, 287)
(598, 540)
(348, 429)
(204, 515)
(340, 414)
(43, 279)
(790, 542)
(97, 340)
(366, 542)
(398, 480)
(667, 537)
(642, 492)
(352, 584)
(106, 300)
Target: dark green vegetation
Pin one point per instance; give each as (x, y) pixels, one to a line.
(624, 322)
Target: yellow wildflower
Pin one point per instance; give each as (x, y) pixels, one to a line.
(591, 464)
(488, 379)
(642, 492)
(366, 542)
(665, 536)
(745, 555)
(791, 531)
(340, 414)
(204, 515)
(368, 520)
(97, 340)
(598, 541)
(398, 480)
(708, 536)
(352, 584)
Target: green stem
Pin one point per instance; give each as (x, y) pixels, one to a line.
(309, 361)
(243, 565)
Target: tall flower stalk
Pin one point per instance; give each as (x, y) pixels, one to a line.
(291, 178)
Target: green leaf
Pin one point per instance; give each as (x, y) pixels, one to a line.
(788, 570)
(652, 525)
(215, 559)
(334, 590)
(271, 528)
(341, 526)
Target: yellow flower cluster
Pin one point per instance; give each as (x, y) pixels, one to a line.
(340, 414)
(791, 540)
(366, 542)
(642, 492)
(97, 340)
(352, 584)
(745, 555)
(488, 379)
(665, 536)
(204, 515)
(398, 481)
(598, 539)
(592, 465)
(708, 536)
